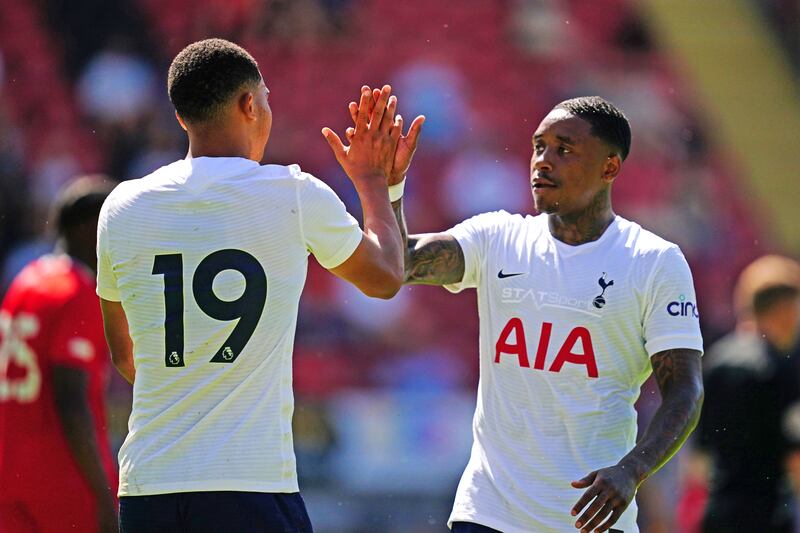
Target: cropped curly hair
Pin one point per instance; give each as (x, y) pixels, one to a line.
(608, 122)
(205, 75)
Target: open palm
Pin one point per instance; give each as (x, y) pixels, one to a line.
(405, 147)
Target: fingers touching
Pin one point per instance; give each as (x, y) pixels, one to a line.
(380, 106)
(363, 114)
(376, 114)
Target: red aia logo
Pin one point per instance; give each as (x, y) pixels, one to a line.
(566, 354)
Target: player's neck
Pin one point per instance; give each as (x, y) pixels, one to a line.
(220, 142)
(584, 226)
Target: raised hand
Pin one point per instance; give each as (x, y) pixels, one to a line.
(608, 493)
(405, 147)
(374, 139)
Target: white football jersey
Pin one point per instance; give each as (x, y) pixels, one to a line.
(208, 257)
(565, 338)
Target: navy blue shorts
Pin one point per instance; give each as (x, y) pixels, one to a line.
(211, 512)
(469, 527)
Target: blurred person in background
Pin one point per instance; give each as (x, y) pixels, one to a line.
(750, 427)
(602, 302)
(57, 472)
(200, 269)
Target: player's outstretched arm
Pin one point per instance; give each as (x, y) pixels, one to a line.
(610, 490)
(71, 398)
(115, 325)
(433, 259)
(376, 266)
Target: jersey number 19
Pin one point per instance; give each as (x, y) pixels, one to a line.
(246, 309)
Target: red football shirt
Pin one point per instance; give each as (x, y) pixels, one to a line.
(50, 316)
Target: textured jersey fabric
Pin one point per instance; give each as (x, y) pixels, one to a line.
(208, 257)
(565, 338)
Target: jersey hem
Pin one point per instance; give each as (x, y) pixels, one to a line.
(505, 527)
(208, 486)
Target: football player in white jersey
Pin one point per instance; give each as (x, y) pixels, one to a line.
(577, 307)
(200, 269)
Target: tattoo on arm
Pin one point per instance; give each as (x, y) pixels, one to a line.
(434, 259)
(430, 258)
(679, 377)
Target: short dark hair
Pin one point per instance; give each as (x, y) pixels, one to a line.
(768, 280)
(206, 74)
(608, 122)
(80, 201)
(767, 298)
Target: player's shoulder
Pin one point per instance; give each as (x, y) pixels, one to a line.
(56, 278)
(497, 221)
(126, 193)
(305, 180)
(643, 243)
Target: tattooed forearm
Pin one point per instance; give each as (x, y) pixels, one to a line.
(434, 259)
(679, 377)
(664, 368)
(430, 258)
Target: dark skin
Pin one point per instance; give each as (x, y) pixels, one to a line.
(71, 386)
(571, 175)
(610, 490)
(572, 171)
(71, 397)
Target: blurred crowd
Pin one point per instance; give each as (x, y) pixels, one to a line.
(387, 386)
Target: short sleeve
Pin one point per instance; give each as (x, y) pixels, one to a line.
(473, 235)
(329, 231)
(71, 339)
(107, 287)
(671, 319)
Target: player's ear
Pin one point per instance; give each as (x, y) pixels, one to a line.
(180, 121)
(247, 105)
(611, 167)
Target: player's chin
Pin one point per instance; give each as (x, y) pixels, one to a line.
(544, 204)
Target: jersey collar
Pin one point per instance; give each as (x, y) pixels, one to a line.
(569, 249)
(204, 169)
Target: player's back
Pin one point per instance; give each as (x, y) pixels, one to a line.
(208, 257)
(50, 316)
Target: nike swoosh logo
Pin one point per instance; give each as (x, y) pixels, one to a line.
(501, 275)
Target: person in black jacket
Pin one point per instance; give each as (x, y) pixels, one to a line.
(750, 426)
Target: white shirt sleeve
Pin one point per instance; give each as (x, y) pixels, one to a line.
(473, 235)
(671, 318)
(329, 231)
(106, 277)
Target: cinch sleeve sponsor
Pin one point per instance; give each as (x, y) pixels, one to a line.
(473, 235)
(329, 231)
(671, 319)
(106, 277)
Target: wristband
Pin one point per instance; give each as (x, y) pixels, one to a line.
(396, 191)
